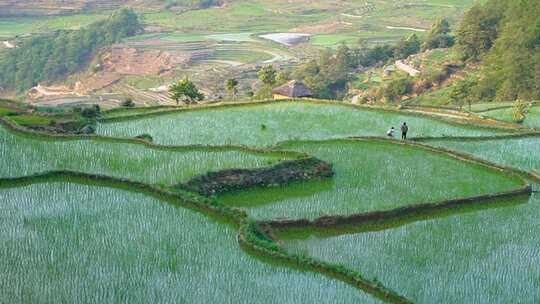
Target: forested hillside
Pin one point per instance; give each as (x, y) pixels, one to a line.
(503, 36)
(493, 54)
(54, 56)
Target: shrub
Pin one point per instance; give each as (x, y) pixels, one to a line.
(145, 136)
(436, 76)
(91, 112)
(519, 111)
(128, 102)
(88, 129)
(395, 89)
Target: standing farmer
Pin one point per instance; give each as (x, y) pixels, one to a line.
(404, 129)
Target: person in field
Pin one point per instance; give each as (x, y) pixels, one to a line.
(390, 132)
(404, 130)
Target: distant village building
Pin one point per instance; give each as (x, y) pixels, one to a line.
(292, 89)
(8, 44)
(388, 70)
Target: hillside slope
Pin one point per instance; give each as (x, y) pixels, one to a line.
(17, 8)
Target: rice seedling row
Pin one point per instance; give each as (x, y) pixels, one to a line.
(520, 153)
(79, 243)
(487, 256)
(268, 124)
(21, 155)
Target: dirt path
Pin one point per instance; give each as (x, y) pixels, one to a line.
(405, 28)
(350, 15)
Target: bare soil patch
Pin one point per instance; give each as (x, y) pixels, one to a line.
(323, 28)
(139, 62)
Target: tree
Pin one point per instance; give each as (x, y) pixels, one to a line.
(395, 89)
(328, 75)
(231, 87)
(267, 75)
(439, 36)
(281, 78)
(479, 29)
(441, 26)
(185, 90)
(519, 111)
(407, 47)
(513, 64)
(91, 111)
(505, 37)
(461, 92)
(128, 102)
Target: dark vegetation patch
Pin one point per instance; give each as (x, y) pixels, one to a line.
(75, 121)
(71, 128)
(240, 179)
(145, 136)
(54, 56)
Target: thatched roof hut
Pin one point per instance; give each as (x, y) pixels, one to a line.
(292, 89)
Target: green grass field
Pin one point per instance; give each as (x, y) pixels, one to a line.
(352, 38)
(132, 161)
(532, 119)
(11, 27)
(242, 16)
(371, 176)
(29, 120)
(483, 107)
(6, 111)
(64, 242)
(133, 111)
(282, 121)
(240, 55)
(487, 256)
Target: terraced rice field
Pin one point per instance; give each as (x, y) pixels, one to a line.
(182, 37)
(268, 124)
(64, 242)
(485, 256)
(371, 176)
(522, 153)
(132, 161)
(476, 255)
(238, 48)
(76, 241)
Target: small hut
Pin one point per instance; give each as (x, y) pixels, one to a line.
(292, 89)
(388, 70)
